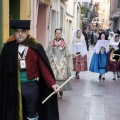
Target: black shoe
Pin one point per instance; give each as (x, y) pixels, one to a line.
(118, 76)
(100, 76)
(114, 78)
(76, 74)
(61, 93)
(103, 78)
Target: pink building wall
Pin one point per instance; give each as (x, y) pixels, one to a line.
(41, 24)
(34, 15)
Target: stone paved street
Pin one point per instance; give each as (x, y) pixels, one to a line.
(91, 99)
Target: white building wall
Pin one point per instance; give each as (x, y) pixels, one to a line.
(63, 18)
(72, 20)
(77, 15)
(69, 22)
(70, 7)
(57, 18)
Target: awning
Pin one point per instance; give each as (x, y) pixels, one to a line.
(47, 2)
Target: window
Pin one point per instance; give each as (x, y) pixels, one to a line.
(118, 5)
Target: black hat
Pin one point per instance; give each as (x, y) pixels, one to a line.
(23, 24)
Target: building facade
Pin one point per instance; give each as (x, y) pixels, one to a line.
(40, 16)
(73, 20)
(115, 15)
(45, 16)
(86, 9)
(101, 11)
(9, 10)
(77, 16)
(69, 22)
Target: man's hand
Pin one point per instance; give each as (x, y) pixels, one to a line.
(55, 88)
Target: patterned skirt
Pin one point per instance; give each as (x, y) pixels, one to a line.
(61, 72)
(80, 63)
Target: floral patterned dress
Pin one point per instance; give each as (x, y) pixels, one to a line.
(59, 63)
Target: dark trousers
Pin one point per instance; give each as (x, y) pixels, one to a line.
(30, 94)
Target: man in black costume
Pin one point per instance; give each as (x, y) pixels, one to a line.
(86, 37)
(26, 78)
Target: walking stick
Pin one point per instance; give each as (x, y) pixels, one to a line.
(58, 89)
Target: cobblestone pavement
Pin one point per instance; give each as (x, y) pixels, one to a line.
(91, 99)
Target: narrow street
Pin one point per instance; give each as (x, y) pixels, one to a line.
(91, 99)
(31, 31)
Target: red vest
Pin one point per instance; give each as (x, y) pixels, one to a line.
(34, 63)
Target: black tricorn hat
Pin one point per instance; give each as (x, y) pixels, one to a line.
(22, 24)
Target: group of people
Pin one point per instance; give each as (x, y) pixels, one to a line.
(26, 78)
(106, 55)
(28, 73)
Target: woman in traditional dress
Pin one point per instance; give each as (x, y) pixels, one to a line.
(111, 37)
(112, 64)
(79, 51)
(58, 57)
(99, 58)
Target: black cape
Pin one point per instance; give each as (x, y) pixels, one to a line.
(116, 57)
(9, 85)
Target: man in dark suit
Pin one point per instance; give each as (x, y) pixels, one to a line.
(86, 37)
